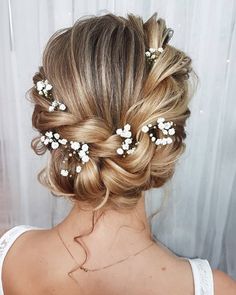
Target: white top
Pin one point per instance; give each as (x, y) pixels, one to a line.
(202, 273)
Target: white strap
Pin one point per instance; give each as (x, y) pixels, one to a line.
(7, 240)
(203, 277)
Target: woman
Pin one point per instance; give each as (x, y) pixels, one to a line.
(111, 102)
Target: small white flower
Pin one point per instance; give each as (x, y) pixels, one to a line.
(120, 151)
(42, 138)
(78, 169)
(40, 85)
(158, 141)
(46, 141)
(153, 56)
(84, 147)
(85, 158)
(64, 172)
(152, 50)
(54, 145)
(147, 53)
(56, 135)
(165, 132)
(153, 138)
(54, 103)
(167, 125)
(45, 92)
(164, 142)
(62, 141)
(51, 108)
(127, 127)
(48, 86)
(49, 134)
(81, 153)
(145, 129)
(160, 120)
(161, 126)
(169, 140)
(75, 145)
(128, 140)
(119, 131)
(160, 49)
(62, 107)
(131, 150)
(172, 131)
(127, 134)
(125, 146)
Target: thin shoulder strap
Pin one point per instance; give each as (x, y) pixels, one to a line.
(203, 277)
(7, 240)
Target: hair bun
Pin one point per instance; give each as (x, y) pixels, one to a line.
(99, 72)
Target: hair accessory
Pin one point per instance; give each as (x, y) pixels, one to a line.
(74, 148)
(165, 127)
(44, 88)
(56, 105)
(169, 35)
(152, 54)
(125, 146)
(81, 150)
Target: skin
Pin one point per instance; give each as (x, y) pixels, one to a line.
(39, 262)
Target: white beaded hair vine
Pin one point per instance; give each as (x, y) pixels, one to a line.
(44, 88)
(73, 148)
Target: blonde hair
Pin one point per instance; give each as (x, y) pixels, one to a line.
(98, 68)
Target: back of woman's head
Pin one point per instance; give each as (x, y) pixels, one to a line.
(99, 70)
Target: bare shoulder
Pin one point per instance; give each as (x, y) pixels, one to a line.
(223, 283)
(18, 261)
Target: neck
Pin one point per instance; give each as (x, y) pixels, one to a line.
(115, 234)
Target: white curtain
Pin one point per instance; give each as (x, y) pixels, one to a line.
(198, 219)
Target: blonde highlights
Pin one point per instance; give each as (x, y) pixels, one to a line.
(98, 68)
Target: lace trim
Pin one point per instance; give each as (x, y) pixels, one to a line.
(7, 240)
(202, 276)
(7, 237)
(205, 277)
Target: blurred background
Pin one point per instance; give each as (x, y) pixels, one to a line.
(199, 217)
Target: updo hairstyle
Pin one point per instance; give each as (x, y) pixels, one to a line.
(98, 68)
